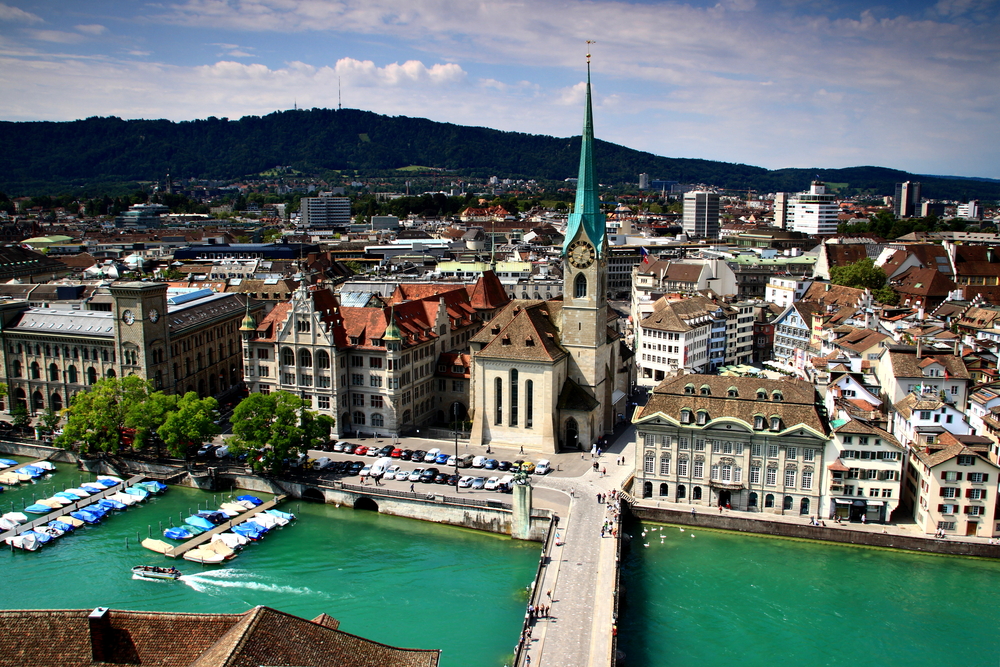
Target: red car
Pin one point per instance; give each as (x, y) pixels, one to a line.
(396, 453)
(361, 450)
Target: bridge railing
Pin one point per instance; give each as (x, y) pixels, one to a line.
(427, 496)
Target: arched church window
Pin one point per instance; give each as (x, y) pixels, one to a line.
(498, 400)
(580, 286)
(513, 397)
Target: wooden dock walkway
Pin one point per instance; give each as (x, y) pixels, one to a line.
(181, 549)
(62, 511)
(20, 465)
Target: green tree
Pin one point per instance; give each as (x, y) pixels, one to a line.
(271, 428)
(886, 295)
(147, 416)
(98, 418)
(192, 423)
(49, 421)
(19, 416)
(862, 274)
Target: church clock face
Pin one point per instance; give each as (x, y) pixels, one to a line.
(128, 317)
(154, 315)
(581, 254)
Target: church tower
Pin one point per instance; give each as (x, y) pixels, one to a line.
(585, 269)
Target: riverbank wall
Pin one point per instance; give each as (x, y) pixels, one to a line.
(841, 533)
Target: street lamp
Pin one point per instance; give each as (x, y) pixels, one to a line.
(454, 411)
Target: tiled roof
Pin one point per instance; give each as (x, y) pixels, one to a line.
(523, 330)
(923, 282)
(937, 457)
(261, 636)
(855, 427)
(488, 292)
(679, 315)
(906, 365)
(796, 407)
(833, 295)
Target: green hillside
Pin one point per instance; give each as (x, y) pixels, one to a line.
(102, 150)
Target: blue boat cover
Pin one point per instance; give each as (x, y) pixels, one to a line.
(254, 499)
(280, 514)
(61, 525)
(31, 471)
(41, 537)
(6, 463)
(38, 508)
(86, 517)
(200, 522)
(178, 533)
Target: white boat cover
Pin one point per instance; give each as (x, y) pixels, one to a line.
(26, 542)
(72, 520)
(44, 465)
(17, 517)
(204, 556)
(231, 540)
(159, 546)
(126, 498)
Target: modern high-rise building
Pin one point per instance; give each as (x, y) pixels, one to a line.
(643, 181)
(701, 214)
(906, 201)
(815, 212)
(325, 212)
(970, 211)
(781, 210)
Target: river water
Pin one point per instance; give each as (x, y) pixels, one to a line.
(402, 582)
(708, 599)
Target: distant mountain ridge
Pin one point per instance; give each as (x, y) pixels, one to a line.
(78, 153)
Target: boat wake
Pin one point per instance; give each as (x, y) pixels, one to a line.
(206, 581)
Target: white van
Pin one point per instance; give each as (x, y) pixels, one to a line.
(478, 461)
(380, 466)
(432, 454)
(543, 466)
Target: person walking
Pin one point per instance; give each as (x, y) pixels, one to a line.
(411, 489)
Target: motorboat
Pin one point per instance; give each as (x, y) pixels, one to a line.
(47, 466)
(278, 513)
(178, 533)
(30, 471)
(71, 520)
(249, 530)
(51, 531)
(110, 503)
(106, 482)
(78, 492)
(156, 572)
(251, 499)
(199, 522)
(27, 541)
(231, 540)
(7, 463)
(67, 495)
(216, 517)
(269, 521)
(138, 491)
(232, 509)
(110, 478)
(38, 508)
(220, 548)
(16, 517)
(93, 487)
(86, 517)
(62, 525)
(124, 498)
(54, 503)
(204, 556)
(7, 524)
(159, 546)
(153, 486)
(12, 478)
(43, 538)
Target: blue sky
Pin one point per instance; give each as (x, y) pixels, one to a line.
(790, 83)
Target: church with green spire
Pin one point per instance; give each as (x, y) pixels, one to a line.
(553, 375)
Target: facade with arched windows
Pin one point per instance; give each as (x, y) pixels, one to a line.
(746, 443)
(180, 342)
(552, 375)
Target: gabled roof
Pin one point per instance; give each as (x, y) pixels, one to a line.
(855, 427)
(923, 282)
(937, 457)
(905, 363)
(523, 330)
(488, 292)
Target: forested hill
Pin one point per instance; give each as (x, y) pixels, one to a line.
(95, 150)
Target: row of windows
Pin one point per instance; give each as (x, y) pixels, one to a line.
(529, 401)
(305, 358)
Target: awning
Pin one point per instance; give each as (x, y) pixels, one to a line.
(875, 503)
(841, 502)
(724, 485)
(616, 396)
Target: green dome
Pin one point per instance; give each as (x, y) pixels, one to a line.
(248, 323)
(392, 332)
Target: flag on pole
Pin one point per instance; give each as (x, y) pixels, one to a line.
(645, 255)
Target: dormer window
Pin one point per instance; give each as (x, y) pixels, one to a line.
(685, 416)
(761, 395)
(506, 340)
(776, 396)
(689, 389)
(529, 341)
(775, 423)
(706, 390)
(702, 417)
(495, 330)
(732, 392)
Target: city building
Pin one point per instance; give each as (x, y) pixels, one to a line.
(747, 443)
(701, 214)
(325, 213)
(551, 375)
(906, 201)
(815, 212)
(781, 210)
(783, 291)
(865, 466)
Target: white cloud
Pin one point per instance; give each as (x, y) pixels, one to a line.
(92, 29)
(55, 36)
(8, 13)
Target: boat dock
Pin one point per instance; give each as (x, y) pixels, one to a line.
(20, 465)
(181, 549)
(72, 507)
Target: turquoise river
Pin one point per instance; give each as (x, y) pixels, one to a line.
(399, 581)
(698, 598)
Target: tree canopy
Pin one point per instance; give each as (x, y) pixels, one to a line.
(863, 274)
(272, 428)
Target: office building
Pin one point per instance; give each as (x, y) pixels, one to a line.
(906, 201)
(701, 214)
(815, 212)
(325, 213)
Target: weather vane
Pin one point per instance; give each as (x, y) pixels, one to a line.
(589, 42)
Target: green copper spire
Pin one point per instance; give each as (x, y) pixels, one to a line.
(587, 210)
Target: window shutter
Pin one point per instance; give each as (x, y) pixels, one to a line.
(940, 508)
(941, 490)
(944, 475)
(982, 494)
(966, 509)
(958, 476)
(968, 493)
(986, 477)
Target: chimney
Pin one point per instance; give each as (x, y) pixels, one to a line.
(920, 346)
(100, 626)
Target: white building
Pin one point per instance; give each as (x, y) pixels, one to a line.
(325, 212)
(701, 214)
(785, 291)
(815, 212)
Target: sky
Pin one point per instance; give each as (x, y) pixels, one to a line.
(912, 85)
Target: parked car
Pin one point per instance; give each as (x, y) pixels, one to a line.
(366, 471)
(465, 482)
(478, 462)
(360, 450)
(452, 461)
(222, 452)
(405, 454)
(465, 460)
(528, 467)
(490, 464)
(428, 475)
(386, 451)
(339, 446)
(441, 478)
(442, 459)
(418, 456)
(431, 455)
(504, 466)
(349, 448)
(390, 472)
(479, 482)
(396, 452)
(206, 449)
(402, 475)
(415, 474)
(355, 468)
(322, 463)
(453, 480)
(544, 466)
(492, 483)
(375, 451)
(506, 483)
